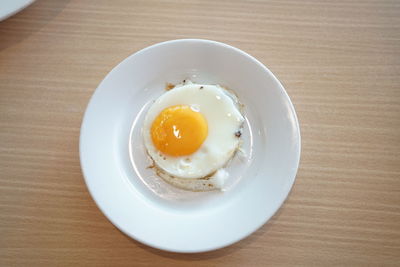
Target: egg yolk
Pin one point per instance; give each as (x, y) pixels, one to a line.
(179, 130)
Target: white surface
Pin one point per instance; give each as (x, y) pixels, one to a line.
(11, 7)
(142, 205)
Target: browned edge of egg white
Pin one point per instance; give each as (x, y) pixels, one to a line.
(159, 171)
(169, 86)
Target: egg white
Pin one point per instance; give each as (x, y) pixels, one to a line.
(224, 119)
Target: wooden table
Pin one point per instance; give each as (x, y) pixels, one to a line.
(339, 62)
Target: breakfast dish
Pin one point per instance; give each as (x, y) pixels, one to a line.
(119, 118)
(191, 132)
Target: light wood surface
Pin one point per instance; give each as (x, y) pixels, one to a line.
(339, 62)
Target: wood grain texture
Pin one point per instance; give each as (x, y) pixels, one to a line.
(339, 61)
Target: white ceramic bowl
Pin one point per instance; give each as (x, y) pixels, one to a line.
(147, 209)
(11, 7)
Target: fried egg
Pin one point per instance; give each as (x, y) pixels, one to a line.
(191, 132)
